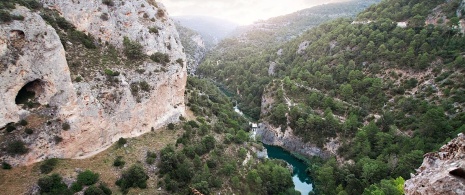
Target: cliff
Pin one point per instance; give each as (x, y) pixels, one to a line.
(66, 119)
(442, 172)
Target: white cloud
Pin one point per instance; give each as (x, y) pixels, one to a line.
(239, 11)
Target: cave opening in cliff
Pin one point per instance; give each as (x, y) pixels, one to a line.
(29, 92)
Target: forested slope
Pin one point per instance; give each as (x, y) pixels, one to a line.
(387, 92)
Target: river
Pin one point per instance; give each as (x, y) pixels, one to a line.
(301, 180)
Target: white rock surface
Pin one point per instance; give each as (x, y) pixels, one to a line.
(434, 177)
(98, 115)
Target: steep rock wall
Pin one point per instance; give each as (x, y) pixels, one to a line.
(442, 172)
(97, 114)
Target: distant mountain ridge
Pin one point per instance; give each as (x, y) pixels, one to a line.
(213, 30)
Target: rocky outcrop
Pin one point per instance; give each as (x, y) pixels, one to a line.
(442, 172)
(77, 120)
(274, 136)
(194, 46)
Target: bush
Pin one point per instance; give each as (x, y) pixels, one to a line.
(160, 58)
(135, 176)
(76, 187)
(63, 23)
(29, 131)
(119, 162)
(105, 189)
(48, 165)
(180, 61)
(171, 126)
(23, 122)
(93, 190)
(111, 73)
(104, 16)
(53, 184)
(151, 157)
(10, 127)
(132, 49)
(65, 126)
(87, 178)
(108, 2)
(144, 86)
(78, 79)
(153, 30)
(57, 139)
(17, 147)
(5, 16)
(122, 141)
(6, 165)
(86, 40)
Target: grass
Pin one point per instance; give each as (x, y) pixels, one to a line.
(19, 179)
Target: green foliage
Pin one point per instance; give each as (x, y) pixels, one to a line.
(65, 126)
(108, 2)
(180, 61)
(151, 157)
(6, 166)
(171, 126)
(87, 178)
(76, 187)
(53, 184)
(134, 176)
(16, 147)
(48, 165)
(121, 141)
(153, 30)
(161, 58)
(132, 49)
(119, 162)
(111, 73)
(93, 190)
(10, 127)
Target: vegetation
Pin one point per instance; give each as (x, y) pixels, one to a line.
(134, 176)
(65, 126)
(87, 178)
(367, 84)
(160, 58)
(48, 165)
(119, 162)
(132, 49)
(53, 184)
(6, 166)
(16, 147)
(151, 157)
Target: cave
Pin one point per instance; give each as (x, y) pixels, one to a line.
(29, 92)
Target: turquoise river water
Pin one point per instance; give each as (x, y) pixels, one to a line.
(302, 181)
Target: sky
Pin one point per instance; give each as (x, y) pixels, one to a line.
(242, 12)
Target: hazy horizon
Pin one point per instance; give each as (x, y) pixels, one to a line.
(242, 12)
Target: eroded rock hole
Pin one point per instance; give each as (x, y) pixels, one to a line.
(29, 92)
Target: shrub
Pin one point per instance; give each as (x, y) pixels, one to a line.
(87, 178)
(76, 187)
(119, 162)
(23, 122)
(78, 79)
(57, 139)
(104, 16)
(29, 131)
(144, 86)
(63, 23)
(6, 165)
(86, 40)
(105, 189)
(170, 126)
(135, 176)
(65, 126)
(10, 127)
(17, 147)
(5, 16)
(122, 141)
(93, 190)
(153, 30)
(151, 157)
(180, 61)
(108, 2)
(160, 58)
(132, 49)
(111, 73)
(160, 13)
(53, 184)
(48, 165)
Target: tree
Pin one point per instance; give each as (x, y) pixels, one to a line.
(346, 91)
(132, 49)
(134, 176)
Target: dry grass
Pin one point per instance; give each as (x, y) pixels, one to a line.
(20, 180)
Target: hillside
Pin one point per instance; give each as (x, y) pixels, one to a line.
(377, 92)
(194, 47)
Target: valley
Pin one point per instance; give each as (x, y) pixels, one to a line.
(119, 97)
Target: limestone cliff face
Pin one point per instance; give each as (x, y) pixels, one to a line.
(442, 172)
(32, 58)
